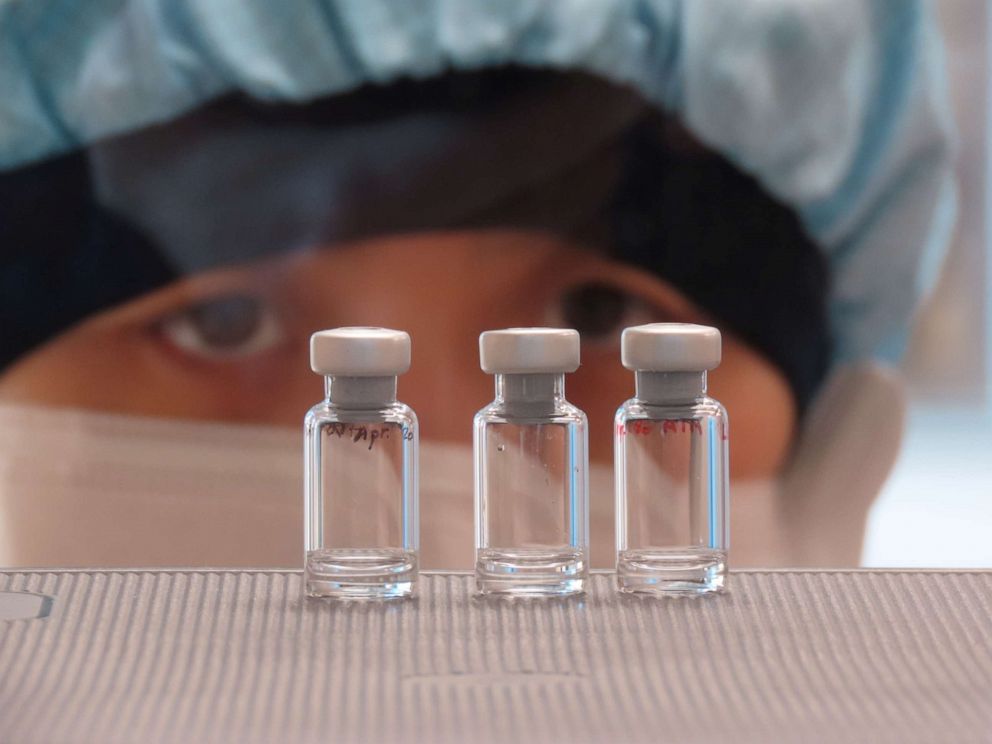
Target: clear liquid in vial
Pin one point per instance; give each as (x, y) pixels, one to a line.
(532, 512)
(361, 573)
(671, 516)
(361, 529)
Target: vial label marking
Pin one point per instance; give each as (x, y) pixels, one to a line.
(644, 428)
(369, 434)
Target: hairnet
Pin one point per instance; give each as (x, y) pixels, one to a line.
(837, 108)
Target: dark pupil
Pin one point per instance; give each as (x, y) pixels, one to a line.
(593, 309)
(226, 321)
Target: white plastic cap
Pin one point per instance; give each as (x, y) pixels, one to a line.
(360, 352)
(670, 347)
(529, 350)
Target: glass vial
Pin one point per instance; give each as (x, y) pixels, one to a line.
(531, 464)
(670, 445)
(361, 519)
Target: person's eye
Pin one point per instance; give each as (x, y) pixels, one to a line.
(599, 312)
(223, 328)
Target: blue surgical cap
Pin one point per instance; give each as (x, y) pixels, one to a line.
(837, 108)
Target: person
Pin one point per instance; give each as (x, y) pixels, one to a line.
(446, 182)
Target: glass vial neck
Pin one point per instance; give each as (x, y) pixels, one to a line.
(360, 392)
(669, 387)
(530, 388)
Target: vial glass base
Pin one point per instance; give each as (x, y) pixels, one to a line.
(531, 572)
(672, 572)
(360, 574)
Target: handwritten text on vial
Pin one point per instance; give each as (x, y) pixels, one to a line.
(673, 426)
(370, 434)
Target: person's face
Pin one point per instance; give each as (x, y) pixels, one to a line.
(232, 345)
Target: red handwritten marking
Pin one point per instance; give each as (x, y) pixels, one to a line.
(644, 428)
(671, 426)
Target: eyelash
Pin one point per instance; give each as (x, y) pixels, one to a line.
(628, 309)
(188, 330)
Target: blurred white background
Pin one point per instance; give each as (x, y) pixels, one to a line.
(936, 509)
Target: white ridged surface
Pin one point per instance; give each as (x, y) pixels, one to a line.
(198, 656)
